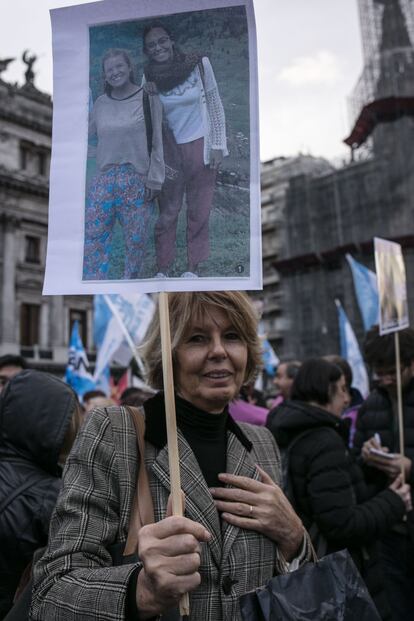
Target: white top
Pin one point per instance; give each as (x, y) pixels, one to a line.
(194, 110)
(183, 111)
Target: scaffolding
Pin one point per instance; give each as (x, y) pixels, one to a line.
(385, 89)
(330, 215)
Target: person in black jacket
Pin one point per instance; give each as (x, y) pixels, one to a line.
(328, 485)
(39, 416)
(377, 428)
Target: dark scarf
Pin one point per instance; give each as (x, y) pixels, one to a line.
(170, 74)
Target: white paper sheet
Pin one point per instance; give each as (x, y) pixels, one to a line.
(222, 30)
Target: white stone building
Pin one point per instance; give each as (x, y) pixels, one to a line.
(32, 325)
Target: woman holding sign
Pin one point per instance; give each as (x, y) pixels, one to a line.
(238, 528)
(194, 113)
(129, 158)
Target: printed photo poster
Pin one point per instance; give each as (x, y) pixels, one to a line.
(155, 175)
(392, 286)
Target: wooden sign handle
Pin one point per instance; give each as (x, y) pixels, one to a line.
(173, 456)
(399, 400)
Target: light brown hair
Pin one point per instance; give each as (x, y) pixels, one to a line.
(184, 307)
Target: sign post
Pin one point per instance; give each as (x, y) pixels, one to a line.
(392, 289)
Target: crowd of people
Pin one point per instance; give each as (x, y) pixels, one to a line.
(263, 481)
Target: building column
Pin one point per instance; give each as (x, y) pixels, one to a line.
(8, 298)
(57, 321)
(44, 339)
(58, 324)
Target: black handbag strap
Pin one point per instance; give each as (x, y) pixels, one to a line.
(285, 456)
(17, 491)
(148, 120)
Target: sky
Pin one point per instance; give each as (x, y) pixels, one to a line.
(309, 55)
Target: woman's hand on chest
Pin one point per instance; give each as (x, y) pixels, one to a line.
(260, 506)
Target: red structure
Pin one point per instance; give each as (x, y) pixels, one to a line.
(385, 91)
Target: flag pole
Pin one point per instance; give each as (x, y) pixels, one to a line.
(173, 455)
(399, 400)
(125, 332)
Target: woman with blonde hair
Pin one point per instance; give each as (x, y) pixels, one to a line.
(238, 528)
(130, 169)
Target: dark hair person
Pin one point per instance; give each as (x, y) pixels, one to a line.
(328, 484)
(130, 171)
(378, 430)
(238, 525)
(194, 112)
(10, 365)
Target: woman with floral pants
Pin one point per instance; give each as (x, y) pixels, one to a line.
(130, 170)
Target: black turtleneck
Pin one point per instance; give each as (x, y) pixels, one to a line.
(207, 436)
(205, 433)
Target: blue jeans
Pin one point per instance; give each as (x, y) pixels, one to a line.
(397, 560)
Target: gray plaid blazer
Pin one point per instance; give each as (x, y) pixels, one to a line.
(75, 578)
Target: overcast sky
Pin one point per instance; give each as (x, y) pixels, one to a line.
(309, 61)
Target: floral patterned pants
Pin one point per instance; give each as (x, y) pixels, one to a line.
(116, 194)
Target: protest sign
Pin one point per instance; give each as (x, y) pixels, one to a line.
(106, 234)
(392, 286)
(392, 289)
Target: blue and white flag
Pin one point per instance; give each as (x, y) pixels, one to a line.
(120, 325)
(351, 352)
(77, 372)
(270, 359)
(366, 290)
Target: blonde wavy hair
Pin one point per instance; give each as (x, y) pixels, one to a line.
(183, 308)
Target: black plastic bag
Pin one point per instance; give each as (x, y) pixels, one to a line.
(329, 590)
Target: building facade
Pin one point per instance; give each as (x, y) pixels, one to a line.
(341, 212)
(32, 325)
(276, 177)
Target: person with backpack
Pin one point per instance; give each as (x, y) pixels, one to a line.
(126, 123)
(325, 483)
(39, 419)
(195, 115)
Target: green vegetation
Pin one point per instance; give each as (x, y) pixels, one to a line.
(220, 34)
(229, 220)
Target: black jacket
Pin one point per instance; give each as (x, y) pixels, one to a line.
(35, 412)
(329, 488)
(376, 416)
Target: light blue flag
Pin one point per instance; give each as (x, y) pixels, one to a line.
(120, 324)
(366, 290)
(101, 317)
(269, 357)
(351, 352)
(77, 372)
